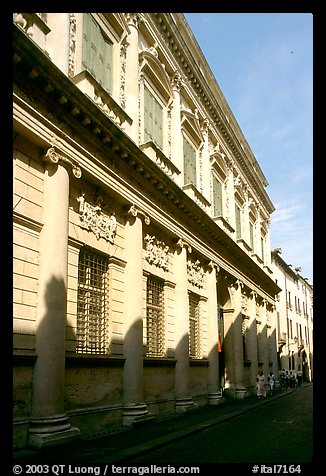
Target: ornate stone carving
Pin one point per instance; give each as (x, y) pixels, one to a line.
(183, 244)
(72, 45)
(156, 252)
(52, 155)
(134, 211)
(196, 273)
(123, 57)
(92, 218)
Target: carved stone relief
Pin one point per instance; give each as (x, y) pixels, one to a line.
(92, 218)
(156, 252)
(196, 273)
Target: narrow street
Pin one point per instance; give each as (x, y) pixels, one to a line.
(279, 432)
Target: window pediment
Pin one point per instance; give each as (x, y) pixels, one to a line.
(190, 123)
(155, 71)
(218, 165)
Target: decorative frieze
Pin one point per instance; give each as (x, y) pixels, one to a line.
(92, 218)
(156, 252)
(196, 273)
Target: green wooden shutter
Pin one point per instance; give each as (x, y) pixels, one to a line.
(217, 197)
(157, 126)
(96, 53)
(238, 222)
(251, 229)
(189, 161)
(153, 119)
(148, 115)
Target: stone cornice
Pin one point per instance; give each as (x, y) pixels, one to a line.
(118, 152)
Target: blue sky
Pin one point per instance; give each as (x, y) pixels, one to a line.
(263, 64)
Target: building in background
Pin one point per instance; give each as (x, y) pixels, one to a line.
(294, 314)
(143, 282)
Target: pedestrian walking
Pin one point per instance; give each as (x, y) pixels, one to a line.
(282, 378)
(286, 379)
(292, 379)
(271, 382)
(261, 391)
(299, 376)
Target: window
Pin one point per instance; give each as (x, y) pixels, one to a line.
(237, 222)
(217, 197)
(189, 163)
(245, 339)
(155, 318)
(153, 119)
(96, 52)
(262, 248)
(92, 304)
(251, 231)
(194, 343)
(259, 342)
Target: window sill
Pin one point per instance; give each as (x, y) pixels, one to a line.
(90, 360)
(159, 362)
(198, 362)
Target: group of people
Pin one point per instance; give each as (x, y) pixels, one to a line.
(286, 379)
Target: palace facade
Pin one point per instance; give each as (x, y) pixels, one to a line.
(143, 283)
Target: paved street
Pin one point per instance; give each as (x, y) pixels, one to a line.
(277, 430)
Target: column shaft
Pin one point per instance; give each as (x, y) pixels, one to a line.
(134, 408)
(49, 420)
(183, 399)
(214, 392)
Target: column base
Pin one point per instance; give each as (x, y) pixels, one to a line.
(183, 405)
(51, 431)
(240, 393)
(135, 414)
(236, 393)
(215, 398)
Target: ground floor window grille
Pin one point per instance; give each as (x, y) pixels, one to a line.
(155, 341)
(92, 304)
(259, 342)
(245, 339)
(194, 315)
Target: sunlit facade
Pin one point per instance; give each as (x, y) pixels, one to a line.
(142, 267)
(294, 315)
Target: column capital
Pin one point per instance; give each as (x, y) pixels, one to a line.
(213, 265)
(183, 244)
(134, 19)
(135, 211)
(52, 155)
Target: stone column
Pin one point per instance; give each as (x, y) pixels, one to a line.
(234, 345)
(246, 227)
(253, 340)
(132, 76)
(176, 135)
(49, 423)
(134, 408)
(265, 356)
(230, 195)
(258, 234)
(183, 399)
(268, 245)
(206, 185)
(214, 392)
